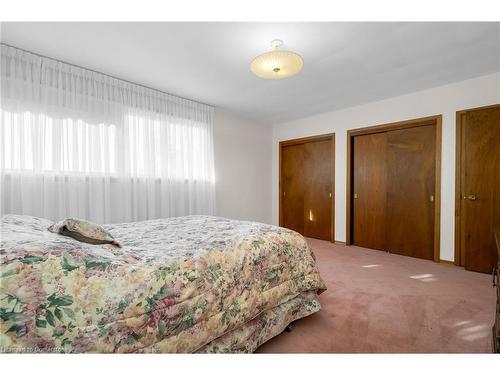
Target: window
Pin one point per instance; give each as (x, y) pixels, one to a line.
(78, 143)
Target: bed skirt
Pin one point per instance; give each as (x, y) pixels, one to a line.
(248, 337)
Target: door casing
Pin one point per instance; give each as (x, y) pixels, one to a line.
(459, 252)
(322, 137)
(431, 120)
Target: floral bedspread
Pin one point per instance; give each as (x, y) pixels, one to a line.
(248, 337)
(175, 286)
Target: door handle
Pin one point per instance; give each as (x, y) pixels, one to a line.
(470, 197)
(355, 196)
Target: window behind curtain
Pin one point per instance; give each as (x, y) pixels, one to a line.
(77, 143)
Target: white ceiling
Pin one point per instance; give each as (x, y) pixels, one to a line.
(345, 64)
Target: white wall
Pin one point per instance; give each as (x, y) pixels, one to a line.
(445, 100)
(242, 168)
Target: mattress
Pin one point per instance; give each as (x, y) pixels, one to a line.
(177, 285)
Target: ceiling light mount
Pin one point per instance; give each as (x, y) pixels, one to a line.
(277, 63)
(276, 43)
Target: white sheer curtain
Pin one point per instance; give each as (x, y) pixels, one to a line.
(78, 143)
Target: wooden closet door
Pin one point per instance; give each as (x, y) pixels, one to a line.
(317, 174)
(369, 191)
(480, 207)
(411, 157)
(292, 179)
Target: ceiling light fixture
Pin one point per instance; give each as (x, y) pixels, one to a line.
(277, 64)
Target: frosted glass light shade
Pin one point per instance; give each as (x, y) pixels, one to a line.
(277, 64)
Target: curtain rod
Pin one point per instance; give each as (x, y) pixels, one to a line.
(104, 74)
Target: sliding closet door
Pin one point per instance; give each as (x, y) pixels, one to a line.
(393, 182)
(292, 180)
(369, 198)
(306, 186)
(318, 189)
(411, 156)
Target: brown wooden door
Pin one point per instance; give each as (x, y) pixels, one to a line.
(411, 176)
(318, 190)
(306, 187)
(292, 180)
(369, 188)
(393, 193)
(480, 188)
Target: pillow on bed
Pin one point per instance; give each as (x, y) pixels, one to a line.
(83, 231)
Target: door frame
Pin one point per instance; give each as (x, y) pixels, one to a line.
(423, 121)
(459, 252)
(298, 141)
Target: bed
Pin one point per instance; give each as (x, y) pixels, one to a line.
(180, 285)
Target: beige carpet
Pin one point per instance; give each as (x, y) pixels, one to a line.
(384, 303)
